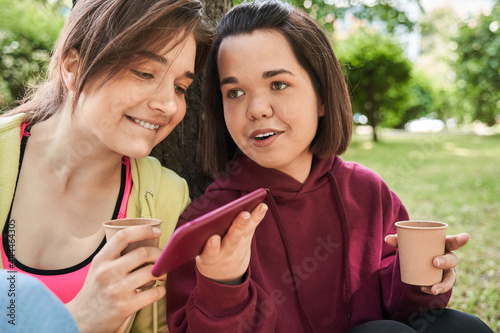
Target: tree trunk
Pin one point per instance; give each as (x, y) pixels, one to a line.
(180, 151)
(372, 112)
(215, 9)
(373, 123)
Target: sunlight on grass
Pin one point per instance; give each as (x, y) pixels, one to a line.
(454, 179)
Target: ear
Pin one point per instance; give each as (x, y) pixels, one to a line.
(321, 111)
(69, 69)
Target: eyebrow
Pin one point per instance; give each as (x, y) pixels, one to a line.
(153, 56)
(265, 75)
(272, 73)
(163, 61)
(228, 80)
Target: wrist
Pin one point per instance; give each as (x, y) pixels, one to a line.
(229, 282)
(73, 309)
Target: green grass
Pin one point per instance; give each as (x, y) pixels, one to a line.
(455, 179)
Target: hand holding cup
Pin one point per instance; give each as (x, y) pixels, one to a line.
(113, 226)
(110, 293)
(440, 264)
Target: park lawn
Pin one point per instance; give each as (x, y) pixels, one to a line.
(455, 179)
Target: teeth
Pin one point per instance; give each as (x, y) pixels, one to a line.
(265, 135)
(145, 124)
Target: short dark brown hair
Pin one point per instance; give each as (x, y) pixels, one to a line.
(108, 36)
(314, 53)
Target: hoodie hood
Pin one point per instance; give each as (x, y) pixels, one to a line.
(282, 186)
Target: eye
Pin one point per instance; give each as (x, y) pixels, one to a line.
(278, 85)
(142, 75)
(180, 90)
(234, 93)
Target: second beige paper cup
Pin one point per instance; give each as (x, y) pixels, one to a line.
(113, 226)
(419, 242)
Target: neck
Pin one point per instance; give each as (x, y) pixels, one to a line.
(299, 169)
(70, 154)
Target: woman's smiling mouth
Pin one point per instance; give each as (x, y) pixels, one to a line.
(265, 135)
(144, 124)
(262, 138)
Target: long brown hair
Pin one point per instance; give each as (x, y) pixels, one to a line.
(314, 53)
(108, 34)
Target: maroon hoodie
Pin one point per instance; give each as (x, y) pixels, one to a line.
(319, 262)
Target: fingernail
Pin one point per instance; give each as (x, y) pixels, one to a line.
(439, 262)
(438, 291)
(157, 231)
(263, 209)
(246, 216)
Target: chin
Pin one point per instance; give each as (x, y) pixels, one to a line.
(137, 152)
(137, 148)
(139, 155)
(269, 163)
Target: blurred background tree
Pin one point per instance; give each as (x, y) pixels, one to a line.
(28, 30)
(378, 74)
(477, 66)
(385, 13)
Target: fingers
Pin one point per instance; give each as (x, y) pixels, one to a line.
(122, 238)
(138, 299)
(141, 278)
(244, 224)
(148, 296)
(113, 279)
(211, 250)
(449, 278)
(226, 260)
(239, 229)
(454, 242)
(136, 258)
(448, 260)
(242, 228)
(392, 240)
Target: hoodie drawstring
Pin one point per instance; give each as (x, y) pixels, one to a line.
(149, 200)
(345, 236)
(286, 243)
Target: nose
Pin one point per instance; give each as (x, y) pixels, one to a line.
(164, 99)
(258, 108)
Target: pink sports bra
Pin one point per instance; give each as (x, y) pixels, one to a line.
(67, 282)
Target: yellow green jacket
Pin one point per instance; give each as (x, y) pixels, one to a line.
(157, 192)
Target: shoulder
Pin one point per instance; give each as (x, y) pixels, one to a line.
(10, 123)
(366, 195)
(152, 181)
(10, 143)
(363, 185)
(149, 170)
(352, 173)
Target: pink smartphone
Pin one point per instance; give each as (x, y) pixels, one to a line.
(189, 239)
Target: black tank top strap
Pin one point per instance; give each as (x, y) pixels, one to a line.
(5, 231)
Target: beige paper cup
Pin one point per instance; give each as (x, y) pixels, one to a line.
(419, 242)
(113, 226)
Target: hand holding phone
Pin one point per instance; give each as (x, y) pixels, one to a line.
(188, 241)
